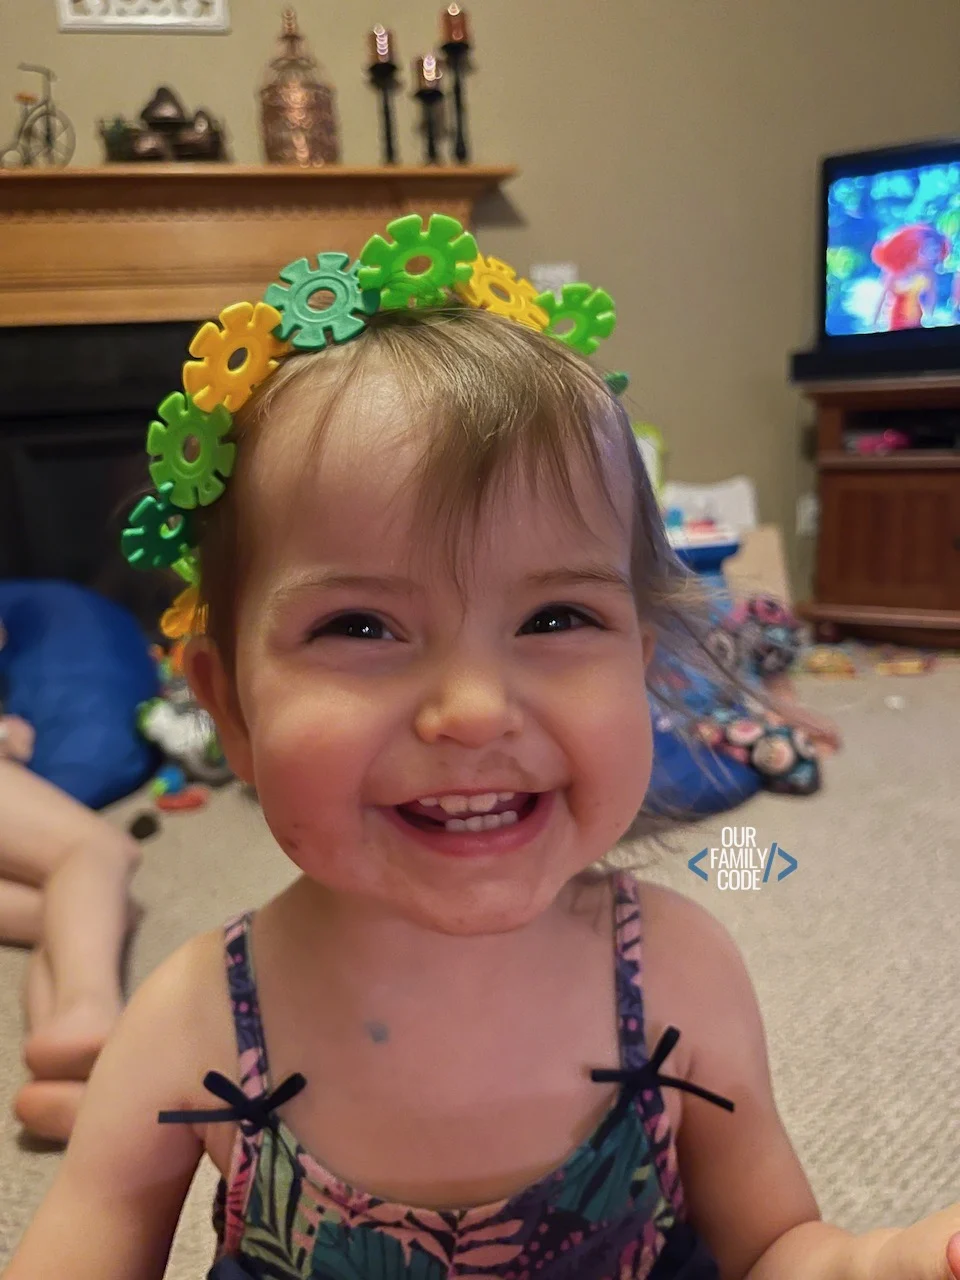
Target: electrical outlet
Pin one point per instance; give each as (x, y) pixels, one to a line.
(808, 515)
(553, 276)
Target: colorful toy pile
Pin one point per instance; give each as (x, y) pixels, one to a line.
(761, 638)
(765, 634)
(191, 454)
(185, 733)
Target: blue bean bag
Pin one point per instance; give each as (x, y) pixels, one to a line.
(691, 780)
(76, 665)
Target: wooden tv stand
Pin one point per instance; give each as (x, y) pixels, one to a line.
(888, 549)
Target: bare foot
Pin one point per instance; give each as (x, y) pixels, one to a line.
(66, 1046)
(48, 1109)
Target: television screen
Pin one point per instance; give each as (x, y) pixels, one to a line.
(893, 249)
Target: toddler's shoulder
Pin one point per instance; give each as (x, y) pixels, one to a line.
(185, 1000)
(668, 915)
(694, 975)
(195, 965)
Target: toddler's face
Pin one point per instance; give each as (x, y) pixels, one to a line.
(367, 683)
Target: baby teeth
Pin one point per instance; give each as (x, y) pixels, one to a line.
(485, 822)
(455, 804)
(467, 804)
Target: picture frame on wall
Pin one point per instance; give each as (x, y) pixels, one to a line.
(168, 16)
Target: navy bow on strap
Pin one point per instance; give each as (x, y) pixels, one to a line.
(648, 1075)
(256, 1112)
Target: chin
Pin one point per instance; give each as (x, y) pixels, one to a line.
(479, 913)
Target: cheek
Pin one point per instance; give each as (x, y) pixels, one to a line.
(609, 735)
(312, 748)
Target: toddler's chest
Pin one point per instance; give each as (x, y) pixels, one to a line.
(450, 1129)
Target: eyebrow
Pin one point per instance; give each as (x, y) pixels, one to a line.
(603, 575)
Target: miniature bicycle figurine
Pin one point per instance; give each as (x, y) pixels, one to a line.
(44, 135)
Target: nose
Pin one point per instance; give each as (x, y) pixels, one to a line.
(469, 705)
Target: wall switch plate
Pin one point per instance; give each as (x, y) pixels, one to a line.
(553, 276)
(808, 515)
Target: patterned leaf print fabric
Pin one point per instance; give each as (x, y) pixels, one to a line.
(613, 1211)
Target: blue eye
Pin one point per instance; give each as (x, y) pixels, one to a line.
(352, 626)
(549, 614)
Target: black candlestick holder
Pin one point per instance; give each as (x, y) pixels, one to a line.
(430, 97)
(457, 54)
(383, 75)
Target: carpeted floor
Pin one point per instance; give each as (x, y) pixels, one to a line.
(855, 957)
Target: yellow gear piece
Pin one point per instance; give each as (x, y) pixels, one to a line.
(185, 617)
(495, 287)
(209, 380)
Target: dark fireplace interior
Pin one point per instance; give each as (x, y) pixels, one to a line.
(74, 413)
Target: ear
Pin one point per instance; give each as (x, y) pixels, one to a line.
(215, 691)
(648, 639)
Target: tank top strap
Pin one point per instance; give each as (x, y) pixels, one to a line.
(629, 971)
(245, 1007)
(639, 1070)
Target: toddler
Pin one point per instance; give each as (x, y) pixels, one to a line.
(459, 1044)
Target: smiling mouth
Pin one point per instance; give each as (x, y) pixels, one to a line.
(508, 813)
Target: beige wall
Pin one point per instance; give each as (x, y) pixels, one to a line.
(668, 147)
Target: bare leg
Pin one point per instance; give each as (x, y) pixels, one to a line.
(84, 866)
(21, 914)
(38, 1001)
(86, 919)
(45, 1108)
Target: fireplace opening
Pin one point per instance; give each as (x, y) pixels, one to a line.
(73, 421)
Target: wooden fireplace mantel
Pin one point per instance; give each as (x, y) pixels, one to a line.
(152, 242)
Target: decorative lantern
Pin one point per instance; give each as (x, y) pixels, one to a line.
(298, 110)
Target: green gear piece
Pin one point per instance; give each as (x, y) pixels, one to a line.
(309, 325)
(144, 711)
(187, 568)
(617, 382)
(193, 481)
(591, 310)
(149, 541)
(451, 251)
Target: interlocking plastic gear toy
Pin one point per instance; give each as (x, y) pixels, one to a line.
(450, 250)
(494, 286)
(198, 480)
(210, 380)
(184, 617)
(309, 326)
(617, 382)
(158, 534)
(590, 310)
(187, 567)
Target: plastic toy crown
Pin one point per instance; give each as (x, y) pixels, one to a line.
(191, 455)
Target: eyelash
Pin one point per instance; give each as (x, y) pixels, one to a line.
(317, 632)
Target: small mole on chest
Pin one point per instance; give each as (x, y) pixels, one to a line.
(378, 1032)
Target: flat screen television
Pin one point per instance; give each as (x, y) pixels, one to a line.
(888, 271)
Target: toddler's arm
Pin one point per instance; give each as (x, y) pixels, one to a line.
(747, 1194)
(113, 1207)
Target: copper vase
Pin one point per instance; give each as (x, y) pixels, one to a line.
(298, 110)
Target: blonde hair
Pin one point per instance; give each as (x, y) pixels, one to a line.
(493, 394)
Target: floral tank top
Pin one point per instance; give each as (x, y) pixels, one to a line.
(614, 1210)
